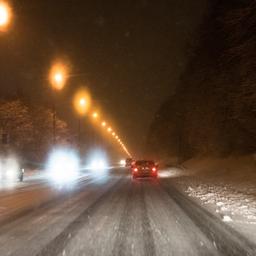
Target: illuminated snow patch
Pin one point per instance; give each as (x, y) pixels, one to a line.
(173, 172)
(227, 218)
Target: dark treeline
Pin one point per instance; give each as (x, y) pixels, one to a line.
(27, 131)
(213, 110)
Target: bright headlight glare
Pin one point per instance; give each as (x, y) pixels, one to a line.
(122, 162)
(10, 168)
(63, 166)
(98, 164)
(10, 174)
(1, 169)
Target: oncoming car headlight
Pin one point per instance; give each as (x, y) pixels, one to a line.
(63, 166)
(122, 162)
(98, 164)
(9, 169)
(11, 174)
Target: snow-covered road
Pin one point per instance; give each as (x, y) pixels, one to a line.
(114, 215)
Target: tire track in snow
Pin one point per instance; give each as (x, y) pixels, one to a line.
(135, 198)
(57, 245)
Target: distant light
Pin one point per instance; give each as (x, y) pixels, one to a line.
(95, 115)
(103, 124)
(122, 162)
(109, 129)
(113, 133)
(98, 162)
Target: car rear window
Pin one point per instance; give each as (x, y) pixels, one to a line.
(143, 162)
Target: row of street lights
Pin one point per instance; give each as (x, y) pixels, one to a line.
(58, 78)
(82, 103)
(108, 128)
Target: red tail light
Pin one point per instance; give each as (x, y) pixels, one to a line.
(154, 169)
(135, 169)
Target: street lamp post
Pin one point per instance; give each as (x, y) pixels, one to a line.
(57, 79)
(5, 18)
(53, 119)
(81, 104)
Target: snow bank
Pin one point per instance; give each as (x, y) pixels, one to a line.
(239, 169)
(225, 186)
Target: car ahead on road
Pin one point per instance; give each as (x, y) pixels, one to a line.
(144, 168)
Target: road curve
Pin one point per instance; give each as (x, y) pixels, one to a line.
(121, 216)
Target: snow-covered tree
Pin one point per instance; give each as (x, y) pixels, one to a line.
(15, 120)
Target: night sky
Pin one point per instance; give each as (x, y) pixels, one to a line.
(129, 53)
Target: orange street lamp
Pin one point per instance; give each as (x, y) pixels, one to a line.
(95, 115)
(104, 124)
(58, 76)
(5, 15)
(82, 102)
(81, 106)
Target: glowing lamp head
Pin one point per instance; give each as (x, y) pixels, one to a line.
(95, 115)
(5, 15)
(58, 76)
(82, 102)
(58, 81)
(103, 124)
